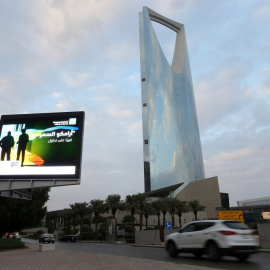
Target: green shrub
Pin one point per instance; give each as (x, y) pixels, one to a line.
(87, 233)
(158, 227)
(10, 243)
(88, 236)
(149, 229)
(34, 236)
(131, 241)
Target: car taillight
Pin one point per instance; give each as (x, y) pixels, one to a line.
(227, 232)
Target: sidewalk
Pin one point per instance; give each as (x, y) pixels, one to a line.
(33, 259)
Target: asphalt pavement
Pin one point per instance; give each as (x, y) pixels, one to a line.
(33, 259)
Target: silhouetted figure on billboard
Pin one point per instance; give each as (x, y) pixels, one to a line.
(6, 144)
(23, 140)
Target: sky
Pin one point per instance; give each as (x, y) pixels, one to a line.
(83, 55)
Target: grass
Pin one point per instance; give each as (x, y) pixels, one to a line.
(7, 243)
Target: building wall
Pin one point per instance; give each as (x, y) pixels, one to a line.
(171, 140)
(206, 191)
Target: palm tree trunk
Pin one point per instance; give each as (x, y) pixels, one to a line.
(74, 226)
(180, 222)
(164, 221)
(81, 225)
(132, 223)
(96, 226)
(195, 214)
(141, 220)
(172, 220)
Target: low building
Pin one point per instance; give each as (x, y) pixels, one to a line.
(206, 191)
(255, 202)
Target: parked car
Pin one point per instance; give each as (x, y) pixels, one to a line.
(47, 238)
(68, 238)
(214, 238)
(15, 235)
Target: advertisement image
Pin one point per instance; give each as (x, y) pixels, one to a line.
(41, 145)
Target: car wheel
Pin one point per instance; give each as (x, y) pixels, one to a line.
(243, 257)
(213, 252)
(172, 250)
(197, 254)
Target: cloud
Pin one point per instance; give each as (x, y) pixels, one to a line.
(69, 56)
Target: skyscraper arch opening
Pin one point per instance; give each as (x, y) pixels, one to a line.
(166, 38)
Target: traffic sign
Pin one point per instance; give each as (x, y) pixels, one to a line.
(168, 225)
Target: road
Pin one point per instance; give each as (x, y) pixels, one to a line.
(260, 260)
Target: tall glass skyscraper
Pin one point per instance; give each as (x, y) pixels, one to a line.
(172, 147)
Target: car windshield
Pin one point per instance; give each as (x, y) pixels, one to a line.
(236, 225)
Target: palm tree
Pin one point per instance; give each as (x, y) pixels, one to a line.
(66, 214)
(131, 205)
(147, 210)
(98, 207)
(114, 202)
(181, 208)
(172, 203)
(157, 206)
(74, 215)
(195, 207)
(164, 209)
(160, 206)
(140, 199)
(81, 209)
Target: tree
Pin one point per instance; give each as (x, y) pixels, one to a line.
(164, 208)
(140, 201)
(181, 207)
(147, 210)
(195, 207)
(98, 207)
(128, 220)
(114, 202)
(74, 215)
(131, 205)
(81, 210)
(66, 214)
(157, 206)
(16, 214)
(172, 203)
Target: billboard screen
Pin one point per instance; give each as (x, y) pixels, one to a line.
(41, 146)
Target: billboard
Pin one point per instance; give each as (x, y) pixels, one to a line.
(42, 146)
(231, 215)
(25, 194)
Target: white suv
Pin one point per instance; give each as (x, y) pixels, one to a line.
(214, 238)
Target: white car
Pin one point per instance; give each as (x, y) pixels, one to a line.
(214, 238)
(15, 235)
(47, 238)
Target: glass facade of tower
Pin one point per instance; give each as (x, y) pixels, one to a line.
(171, 139)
